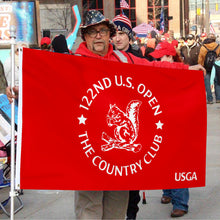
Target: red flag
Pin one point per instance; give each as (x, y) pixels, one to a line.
(90, 124)
(124, 4)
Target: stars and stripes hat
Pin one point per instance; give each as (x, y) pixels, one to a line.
(123, 24)
(94, 17)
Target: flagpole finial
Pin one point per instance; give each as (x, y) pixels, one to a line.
(12, 31)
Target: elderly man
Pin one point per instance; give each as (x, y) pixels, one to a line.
(96, 33)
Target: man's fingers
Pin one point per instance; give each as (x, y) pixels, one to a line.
(9, 94)
(198, 67)
(8, 91)
(15, 90)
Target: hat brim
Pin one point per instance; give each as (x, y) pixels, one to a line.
(156, 54)
(110, 25)
(102, 21)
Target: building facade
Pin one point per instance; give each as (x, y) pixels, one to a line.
(140, 11)
(204, 15)
(181, 16)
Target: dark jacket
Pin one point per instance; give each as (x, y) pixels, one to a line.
(135, 50)
(190, 54)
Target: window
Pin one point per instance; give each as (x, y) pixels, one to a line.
(214, 7)
(154, 12)
(130, 13)
(92, 4)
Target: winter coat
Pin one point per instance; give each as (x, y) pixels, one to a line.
(112, 56)
(203, 51)
(190, 54)
(136, 51)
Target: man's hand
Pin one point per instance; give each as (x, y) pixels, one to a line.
(9, 94)
(198, 67)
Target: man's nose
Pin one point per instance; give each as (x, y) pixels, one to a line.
(117, 37)
(98, 35)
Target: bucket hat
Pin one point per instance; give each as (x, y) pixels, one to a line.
(94, 17)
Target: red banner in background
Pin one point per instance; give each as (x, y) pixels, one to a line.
(91, 124)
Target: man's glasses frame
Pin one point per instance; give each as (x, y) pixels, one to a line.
(93, 32)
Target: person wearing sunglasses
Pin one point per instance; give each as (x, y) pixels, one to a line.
(190, 51)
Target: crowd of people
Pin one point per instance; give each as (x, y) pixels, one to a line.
(114, 40)
(191, 50)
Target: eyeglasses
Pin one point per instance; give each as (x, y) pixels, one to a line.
(93, 32)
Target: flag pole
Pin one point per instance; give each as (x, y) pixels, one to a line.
(12, 193)
(162, 6)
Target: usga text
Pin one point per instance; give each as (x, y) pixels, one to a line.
(185, 176)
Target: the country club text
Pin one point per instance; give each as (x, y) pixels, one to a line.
(115, 170)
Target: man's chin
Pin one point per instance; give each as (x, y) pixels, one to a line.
(120, 48)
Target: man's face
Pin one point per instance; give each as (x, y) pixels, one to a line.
(190, 41)
(181, 42)
(97, 39)
(121, 41)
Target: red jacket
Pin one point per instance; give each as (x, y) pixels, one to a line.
(84, 51)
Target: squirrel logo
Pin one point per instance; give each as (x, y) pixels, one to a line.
(126, 128)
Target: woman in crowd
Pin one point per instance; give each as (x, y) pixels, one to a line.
(179, 197)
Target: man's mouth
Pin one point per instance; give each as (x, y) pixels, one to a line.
(99, 42)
